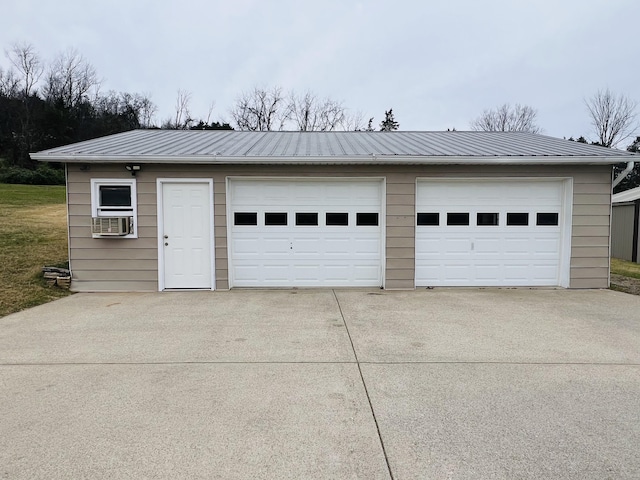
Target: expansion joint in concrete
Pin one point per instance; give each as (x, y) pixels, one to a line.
(364, 385)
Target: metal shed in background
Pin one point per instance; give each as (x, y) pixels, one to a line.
(625, 219)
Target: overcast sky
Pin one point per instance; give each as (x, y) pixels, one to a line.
(437, 64)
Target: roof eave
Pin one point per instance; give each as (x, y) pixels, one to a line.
(326, 160)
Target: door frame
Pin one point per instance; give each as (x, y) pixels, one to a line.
(160, 215)
(375, 178)
(564, 267)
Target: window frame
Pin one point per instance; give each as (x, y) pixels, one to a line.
(333, 223)
(124, 211)
(271, 224)
(245, 212)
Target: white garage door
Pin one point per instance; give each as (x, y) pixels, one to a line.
(490, 233)
(286, 233)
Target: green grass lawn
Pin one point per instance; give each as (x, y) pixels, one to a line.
(627, 269)
(33, 233)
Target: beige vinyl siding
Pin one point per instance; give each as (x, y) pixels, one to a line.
(400, 231)
(622, 223)
(134, 261)
(591, 227)
(110, 264)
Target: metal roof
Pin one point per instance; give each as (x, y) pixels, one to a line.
(627, 196)
(224, 146)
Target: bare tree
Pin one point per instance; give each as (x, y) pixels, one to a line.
(308, 113)
(211, 107)
(504, 118)
(352, 121)
(613, 117)
(148, 110)
(9, 83)
(264, 109)
(26, 60)
(182, 119)
(260, 110)
(70, 79)
(183, 115)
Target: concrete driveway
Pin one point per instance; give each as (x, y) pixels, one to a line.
(444, 383)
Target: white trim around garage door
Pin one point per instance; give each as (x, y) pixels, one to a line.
(160, 220)
(564, 271)
(382, 217)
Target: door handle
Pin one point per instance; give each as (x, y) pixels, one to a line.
(166, 236)
(166, 244)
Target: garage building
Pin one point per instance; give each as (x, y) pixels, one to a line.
(164, 210)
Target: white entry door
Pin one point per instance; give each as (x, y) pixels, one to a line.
(491, 233)
(305, 233)
(186, 239)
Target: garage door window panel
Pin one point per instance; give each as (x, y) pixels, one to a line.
(455, 219)
(337, 219)
(305, 219)
(245, 218)
(547, 219)
(367, 219)
(487, 219)
(275, 218)
(517, 219)
(428, 219)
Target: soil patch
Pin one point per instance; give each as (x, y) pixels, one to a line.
(625, 284)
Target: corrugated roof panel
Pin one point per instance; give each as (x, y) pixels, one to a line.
(291, 145)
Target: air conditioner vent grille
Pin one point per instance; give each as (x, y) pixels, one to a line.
(111, 226)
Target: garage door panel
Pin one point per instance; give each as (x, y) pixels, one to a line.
(248, 274)
(308, 246)
(516, 246)
(275, 246)
(456, 271)
(487, 246)
(367, 246)
(487, 272)
(487, 254)
(339, 246)
(547, 247)
(244, 246)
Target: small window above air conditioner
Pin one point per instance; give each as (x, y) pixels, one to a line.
(111, 226)
(112, 200)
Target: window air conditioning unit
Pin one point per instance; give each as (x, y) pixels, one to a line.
(111, 226)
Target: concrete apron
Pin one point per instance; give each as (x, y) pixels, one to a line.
(444, 383)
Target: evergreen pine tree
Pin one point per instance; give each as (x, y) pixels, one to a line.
(389, 123)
